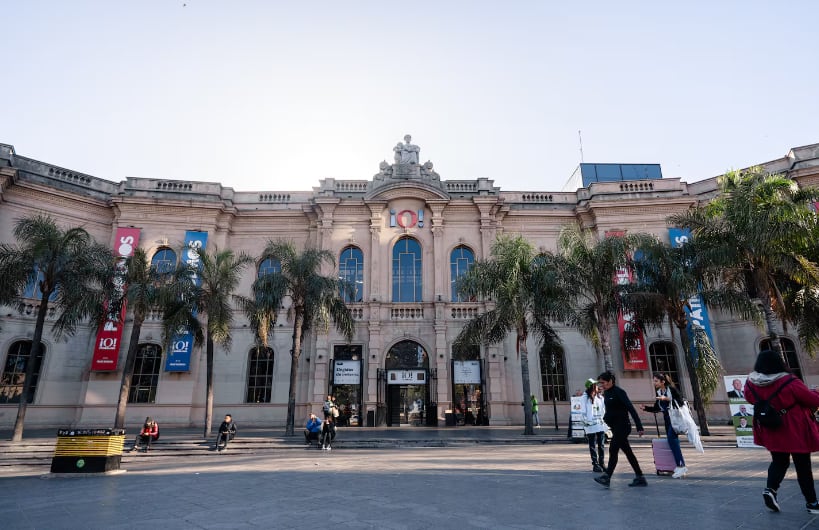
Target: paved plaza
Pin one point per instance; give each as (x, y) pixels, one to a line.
(465, 486)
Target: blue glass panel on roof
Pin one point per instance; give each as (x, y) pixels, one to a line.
(617, 172)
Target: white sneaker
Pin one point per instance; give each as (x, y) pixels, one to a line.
(329, 448)
(679, 472)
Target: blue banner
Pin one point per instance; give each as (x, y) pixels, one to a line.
(179, 354)
(698, 313)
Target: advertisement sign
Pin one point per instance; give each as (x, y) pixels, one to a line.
(631, 339)
(466, 372)
(698, 313)
(742, 412)
(347, 373)
(179, 354)
(109, 336)
(406, 377)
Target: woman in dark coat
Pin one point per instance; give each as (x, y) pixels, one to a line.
(618, 409)
(796, 438)
(668, 396)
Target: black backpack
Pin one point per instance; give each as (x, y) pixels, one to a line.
(765, 414)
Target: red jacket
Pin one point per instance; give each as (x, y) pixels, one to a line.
(799, 432)
(152, 431)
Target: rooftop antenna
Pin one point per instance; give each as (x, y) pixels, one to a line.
(580, 137)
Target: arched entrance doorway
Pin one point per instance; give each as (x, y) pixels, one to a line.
(407, 374)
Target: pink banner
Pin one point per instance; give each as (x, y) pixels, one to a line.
(106, 347)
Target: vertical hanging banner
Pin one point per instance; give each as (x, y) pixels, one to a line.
(109, 336)
(631, 339)
(698, 313)
(179, 355)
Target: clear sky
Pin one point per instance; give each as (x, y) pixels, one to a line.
(275, 95)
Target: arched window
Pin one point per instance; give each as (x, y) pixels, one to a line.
(146, 374)
(407, 355)
(260, 376)
(164, 260)
(14, 372)
(406, 271)
(663, 359)
(553, 375)
(459, 262)
(351, 271)
(788, 352)
(269, 266)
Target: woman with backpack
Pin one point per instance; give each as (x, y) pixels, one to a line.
(775, 392)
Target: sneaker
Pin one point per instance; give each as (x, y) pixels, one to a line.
(329, 448)
(769, 496)
(813, 507)
(597, 469)
(638, 482)
(603, 480)
(679, 472)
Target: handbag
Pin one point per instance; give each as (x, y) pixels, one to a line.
(678, 419)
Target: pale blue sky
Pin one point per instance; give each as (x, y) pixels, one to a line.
(275, 95)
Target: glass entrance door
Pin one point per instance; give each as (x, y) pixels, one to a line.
(407, 405)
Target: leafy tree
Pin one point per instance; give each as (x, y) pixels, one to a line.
(525, 292)
(586, 269)
(67, 265)
(204, 291)
(759, 234)
(314, 300)
(667, 279)
(143, 293)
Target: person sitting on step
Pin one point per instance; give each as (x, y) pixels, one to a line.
(227, 431)
(148, 434)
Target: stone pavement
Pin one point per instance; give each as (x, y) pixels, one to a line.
(461, 484)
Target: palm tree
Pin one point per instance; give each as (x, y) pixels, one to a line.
(144, 284)
(587, 268)
(667, 279)
(526, 296)
(67, 265)
(204, 291)
(314, 300)
(759, 234)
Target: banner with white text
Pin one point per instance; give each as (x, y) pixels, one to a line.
(179, 354)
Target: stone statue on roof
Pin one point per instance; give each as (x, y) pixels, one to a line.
(406, 153)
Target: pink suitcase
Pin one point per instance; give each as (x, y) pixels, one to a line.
(663, 457)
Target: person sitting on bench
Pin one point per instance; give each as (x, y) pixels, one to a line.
(148, 434)
(312, 429)
(328, 433)
(227, 431)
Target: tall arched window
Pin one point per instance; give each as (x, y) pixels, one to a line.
(269, 266)
(260, 375)
(788, 351)
(459, 262)
(663, 359)
(146, 374)
(164, 260)
(406, 354)
(351, 271)
(553, 375)
(14, 372)
(406, 270)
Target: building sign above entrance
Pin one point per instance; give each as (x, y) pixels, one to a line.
(466, 372)
(407, 377)
(407, 218)
(347, 373)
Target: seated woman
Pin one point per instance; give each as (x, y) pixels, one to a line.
(328, 434)
(148, 434)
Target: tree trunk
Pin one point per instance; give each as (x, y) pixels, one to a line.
(699, 406)
(209, 390)
(604, 330)
(128, 371)
(527, 389)
(32, 360)
(294, 368)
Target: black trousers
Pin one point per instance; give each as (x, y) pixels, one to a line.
(596, 448)
(618, 442)
(804, 474)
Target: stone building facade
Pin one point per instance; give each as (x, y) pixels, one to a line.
(402, 237)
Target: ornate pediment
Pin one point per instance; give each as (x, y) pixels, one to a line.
(406, 168)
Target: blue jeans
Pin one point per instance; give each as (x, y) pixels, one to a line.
(535, 419)
(673, 441)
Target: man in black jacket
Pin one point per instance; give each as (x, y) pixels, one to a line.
(227, 430)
